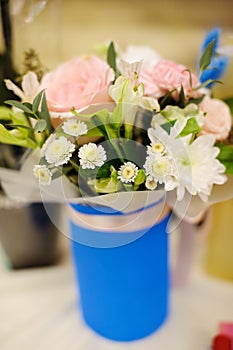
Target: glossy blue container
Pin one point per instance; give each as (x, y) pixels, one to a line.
(124, 289)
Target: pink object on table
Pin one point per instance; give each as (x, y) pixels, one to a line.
(226, 328)
(221, 342)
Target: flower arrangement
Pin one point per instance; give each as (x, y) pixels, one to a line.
(120, 124)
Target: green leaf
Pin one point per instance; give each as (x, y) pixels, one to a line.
(100, 119)
(7, 137)
(226, 157)
(57, 174)
(94, 132)
(111, 56)
(182, 97)
(167, 100)
(19, 105)
(229, 102)
(40, 125)
(107, 185)
(191, 127)
(116, 116)
(140, 178)
(5, 113)
(206, 56)
(36, 101)
(100, 126)
(44, 113)
(74, 165)
(197, 100)
(20, 126)
(21, 122)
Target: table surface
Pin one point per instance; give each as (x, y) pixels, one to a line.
(39, 310)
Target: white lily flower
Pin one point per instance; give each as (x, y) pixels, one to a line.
(130, 70)
(30, 87)
(196, 166)
(131, 96)
(133, 53)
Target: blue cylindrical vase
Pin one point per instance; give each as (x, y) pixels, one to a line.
(124, 283)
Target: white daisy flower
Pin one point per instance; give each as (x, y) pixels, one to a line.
(59, 151)
(159, 168)
(127, 172)
(43, 174)
(156, 148)
(91, 156)
(49, 140)
(151, 184)
(74, 127)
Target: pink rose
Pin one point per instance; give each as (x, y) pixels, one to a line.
(78, 83)
(218, 120)
(166, 76)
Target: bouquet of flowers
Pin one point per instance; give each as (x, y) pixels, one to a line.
(132, 121)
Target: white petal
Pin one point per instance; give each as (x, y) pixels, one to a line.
(180, 192)
(11, 86)
(30, 84)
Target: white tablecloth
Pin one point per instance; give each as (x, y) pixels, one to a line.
(39, 311)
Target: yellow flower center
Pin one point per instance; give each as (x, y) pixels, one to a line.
(91, 155)
(127, 173)
(160, 167)
(158, 147)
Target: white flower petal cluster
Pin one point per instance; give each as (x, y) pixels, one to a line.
(92, 156)
(159, 168)
(125, 91)
(30, 87)
(143, 53)
(193, 165)
(150, 183)
(130, 70)
(130, 93)
(127, 172)
(74, 127)
(43, 174)
(58, 151)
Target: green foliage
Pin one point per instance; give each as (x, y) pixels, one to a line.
(5, 113)
(191, 127)
(22, 106)
(206, 56)
(15, 138)
(44, 113)
(229, 102)
(140, 179)
(226, 157)
(111, 58)
(40, 125)
(18, 129)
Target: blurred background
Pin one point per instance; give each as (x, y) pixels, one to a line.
(62, 29)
